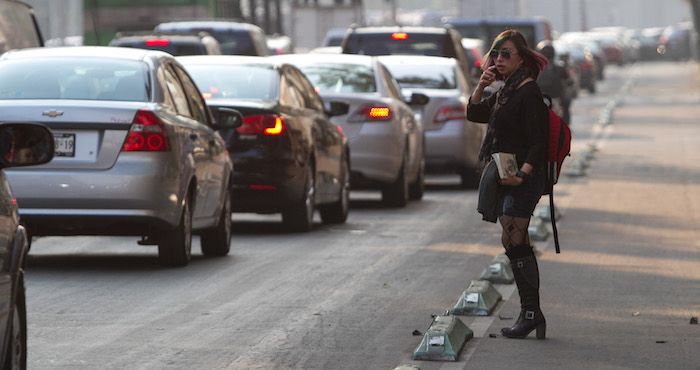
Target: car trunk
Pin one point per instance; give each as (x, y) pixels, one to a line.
(88, 135)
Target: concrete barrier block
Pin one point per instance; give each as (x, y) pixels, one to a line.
(498, 271)
(444, 339)
(537, 230)
(542, 212)
(479, 299)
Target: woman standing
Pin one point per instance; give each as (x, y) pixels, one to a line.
(517, 123)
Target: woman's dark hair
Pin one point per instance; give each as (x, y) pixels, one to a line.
(533, 62)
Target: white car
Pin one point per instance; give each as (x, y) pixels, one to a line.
(386, 139)
(451, 141)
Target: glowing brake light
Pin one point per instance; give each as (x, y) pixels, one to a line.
(378, 112)
(371, 113)
(399, 36)
(268, 124)
(147, 134)
(277, 129)
(157, 42)
(206, 95)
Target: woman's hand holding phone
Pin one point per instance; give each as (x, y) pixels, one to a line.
(488, 77)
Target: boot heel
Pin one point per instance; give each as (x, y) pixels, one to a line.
(541, 331)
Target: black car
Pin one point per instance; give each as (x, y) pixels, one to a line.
(22, 144)
(430, 41)
(200, 44)
(236, 38)
(288, 155)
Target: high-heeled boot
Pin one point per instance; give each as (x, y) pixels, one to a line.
(527, 278)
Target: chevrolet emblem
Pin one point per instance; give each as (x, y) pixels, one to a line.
(52, 113)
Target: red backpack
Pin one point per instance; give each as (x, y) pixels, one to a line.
(559, 146)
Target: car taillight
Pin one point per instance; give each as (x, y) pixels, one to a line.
(371, 113)
(147, 134)
(157, 42)
(399, 36)
(450, 112)
(267, 124)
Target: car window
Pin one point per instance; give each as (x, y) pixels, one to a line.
(176, 91)
(311, 99)
(427, 77)
(235, 81)
(176, 48)
(193, 96)
(290, 94)
(238, 42)
(339, 77)
(71, 78)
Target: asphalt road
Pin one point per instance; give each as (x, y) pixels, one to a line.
(350, 296)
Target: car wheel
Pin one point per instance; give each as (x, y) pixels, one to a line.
(300, 216)
(16, 349)
(417, 188)
(175, 246)
(217, 241)
(396, 193)
(337, 213)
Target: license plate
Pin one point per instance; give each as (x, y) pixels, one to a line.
(64, 145)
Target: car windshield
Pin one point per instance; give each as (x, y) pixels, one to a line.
(400, 43)
(340, 78)
(74, 78)
(423, 76)
(235, 81)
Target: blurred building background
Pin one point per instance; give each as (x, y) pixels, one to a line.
(60, 19)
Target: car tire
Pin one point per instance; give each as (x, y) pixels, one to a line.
(16, 347)
(337, 212)
(175, 245)
(217, 241)
(396, 193)
(299, 217)
(417, 188)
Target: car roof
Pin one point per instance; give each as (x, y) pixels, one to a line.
(85, 51)
(408, 29)
(173, 37)
(230, 59)
(417, 59)
(218, 25)
(335, 58)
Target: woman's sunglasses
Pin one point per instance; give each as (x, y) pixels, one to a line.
(505, 54)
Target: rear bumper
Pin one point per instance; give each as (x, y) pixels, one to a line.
(376, 153)
(133, 196)
(453, 147)
(265, 185)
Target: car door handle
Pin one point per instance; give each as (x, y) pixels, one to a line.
(194, 136)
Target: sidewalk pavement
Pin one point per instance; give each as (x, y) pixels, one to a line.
(622, 292)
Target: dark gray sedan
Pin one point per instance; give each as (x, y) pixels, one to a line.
(137, 152)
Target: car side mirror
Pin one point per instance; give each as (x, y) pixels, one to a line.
(418, 99)
(228, 118)
(338, 108)
(25, 144)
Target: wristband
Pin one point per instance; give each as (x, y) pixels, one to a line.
(521, 174)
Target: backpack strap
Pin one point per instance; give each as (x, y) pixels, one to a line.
(554, 222)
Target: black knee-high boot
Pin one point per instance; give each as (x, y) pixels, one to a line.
(527, 278)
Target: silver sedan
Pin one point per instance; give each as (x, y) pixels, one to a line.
(137, 152)
(451, 141)
(386, 138)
